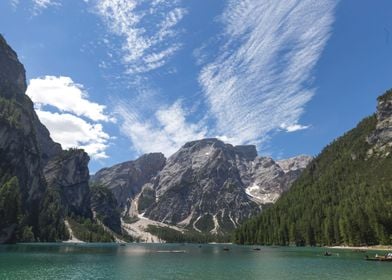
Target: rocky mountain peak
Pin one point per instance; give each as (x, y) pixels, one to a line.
(381, 138)
(126, 179)
(12, 74)
(295, 163)
(151, 162)
(205, 151)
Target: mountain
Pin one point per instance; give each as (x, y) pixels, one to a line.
(343, 197)
(40, 184)
(125, 180)
(207, 186)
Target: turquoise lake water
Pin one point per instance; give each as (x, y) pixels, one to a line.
(149, 261)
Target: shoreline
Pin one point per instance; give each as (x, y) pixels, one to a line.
(376, 247)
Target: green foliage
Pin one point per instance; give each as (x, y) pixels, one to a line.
(88, 230)
(205, 223)
(10, 112)
(105, 205)
(174, 236)
(26, 234)
(343, 197)
(11, 213)
(386, 96)
(10, 203)
(51, 219)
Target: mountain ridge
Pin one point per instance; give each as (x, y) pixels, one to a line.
(204, 186)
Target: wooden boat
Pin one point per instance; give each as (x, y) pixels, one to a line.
(327, 254)
(171, 251)
(226, 249)
(379, 259)
(256, 249)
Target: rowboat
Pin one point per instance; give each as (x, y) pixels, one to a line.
(386, 258)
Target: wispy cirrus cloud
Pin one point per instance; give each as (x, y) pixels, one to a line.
(147, 30)
(39, 5)
(14, 3)
(45, 3)
(259, 82)
(166, 131)
(144, 35)
(71, 118)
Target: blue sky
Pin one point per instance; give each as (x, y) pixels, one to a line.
(125, 77)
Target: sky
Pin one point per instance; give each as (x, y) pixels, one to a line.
(120, 78)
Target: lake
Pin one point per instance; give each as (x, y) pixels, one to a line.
(155, 261)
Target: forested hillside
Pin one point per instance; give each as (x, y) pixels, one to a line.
(343, 197)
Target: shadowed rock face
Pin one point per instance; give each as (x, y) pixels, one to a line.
(125, 180)
(105, 208)
(26, 147)
(12, 72)
(20, 155)
(69, 174)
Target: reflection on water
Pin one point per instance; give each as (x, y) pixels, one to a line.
(182, 261)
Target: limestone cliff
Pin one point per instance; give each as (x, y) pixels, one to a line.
(125, 180)
(68, 173)
(29, 160)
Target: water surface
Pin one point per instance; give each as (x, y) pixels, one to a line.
(149, 261)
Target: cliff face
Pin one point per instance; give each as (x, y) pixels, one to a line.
(381, 138)
(68, 173)
(26, 153)
(20, 155)
(125, 180)
(12, 74)
(105, 208)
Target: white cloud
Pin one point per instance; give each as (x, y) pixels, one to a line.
(67, 96)
(166, 132)
(146, 28)
(260, 80)
(68, 126)
(39, 5)
(293, 127)
(72, 131)
(14, 3)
